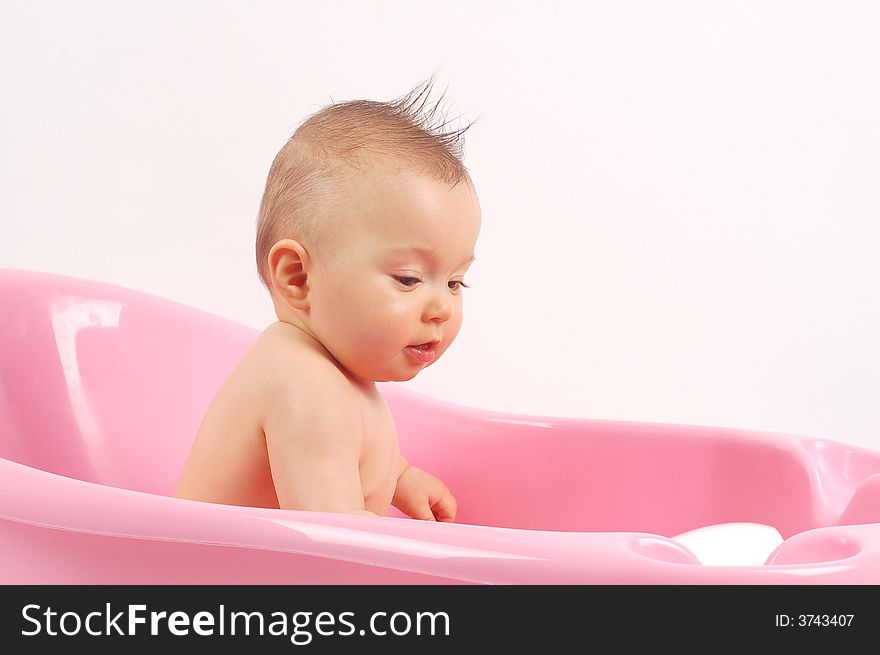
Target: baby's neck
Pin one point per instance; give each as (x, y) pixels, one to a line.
(304, 335)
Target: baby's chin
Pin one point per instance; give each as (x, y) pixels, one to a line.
(400, 376)
(396, 378)
(395, 374)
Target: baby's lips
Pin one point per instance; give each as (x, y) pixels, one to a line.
(430, 344)
(422, 355)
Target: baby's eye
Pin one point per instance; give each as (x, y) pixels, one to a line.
(457, 285)
(407, 281)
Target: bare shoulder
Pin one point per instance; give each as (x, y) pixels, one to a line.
(304, 390)
(314, 428)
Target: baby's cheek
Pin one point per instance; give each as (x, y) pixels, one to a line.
(452, 329)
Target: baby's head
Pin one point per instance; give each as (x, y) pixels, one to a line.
(367, 226)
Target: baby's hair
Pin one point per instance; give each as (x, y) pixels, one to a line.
(342, 138)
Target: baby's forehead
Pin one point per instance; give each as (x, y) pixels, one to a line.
(433, 254)
(393, 204)
(395, 186)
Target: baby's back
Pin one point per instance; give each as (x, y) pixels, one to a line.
(229, 461)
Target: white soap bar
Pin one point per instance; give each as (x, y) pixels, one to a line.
(731, 544)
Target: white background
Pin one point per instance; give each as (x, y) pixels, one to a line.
(680, 199)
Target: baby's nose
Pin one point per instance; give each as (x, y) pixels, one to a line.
(439, 308)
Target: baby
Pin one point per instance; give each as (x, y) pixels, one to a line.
(366, 228)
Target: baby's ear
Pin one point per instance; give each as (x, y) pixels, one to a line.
(288, 263)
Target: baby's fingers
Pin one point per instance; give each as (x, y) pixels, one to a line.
(445, 508)
(422, 511)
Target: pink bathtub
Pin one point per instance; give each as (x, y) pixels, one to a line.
(102, 390)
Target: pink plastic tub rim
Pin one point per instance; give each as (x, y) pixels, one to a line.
(102, 389)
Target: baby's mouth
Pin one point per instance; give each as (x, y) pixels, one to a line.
(423, 352)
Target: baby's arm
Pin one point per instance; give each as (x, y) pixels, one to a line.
(313, 435)
(422, 496)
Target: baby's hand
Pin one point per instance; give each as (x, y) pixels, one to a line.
(422, 496)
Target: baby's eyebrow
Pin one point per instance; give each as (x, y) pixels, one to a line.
(425, 252)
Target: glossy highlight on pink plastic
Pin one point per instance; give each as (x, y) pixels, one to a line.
(102, 389)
